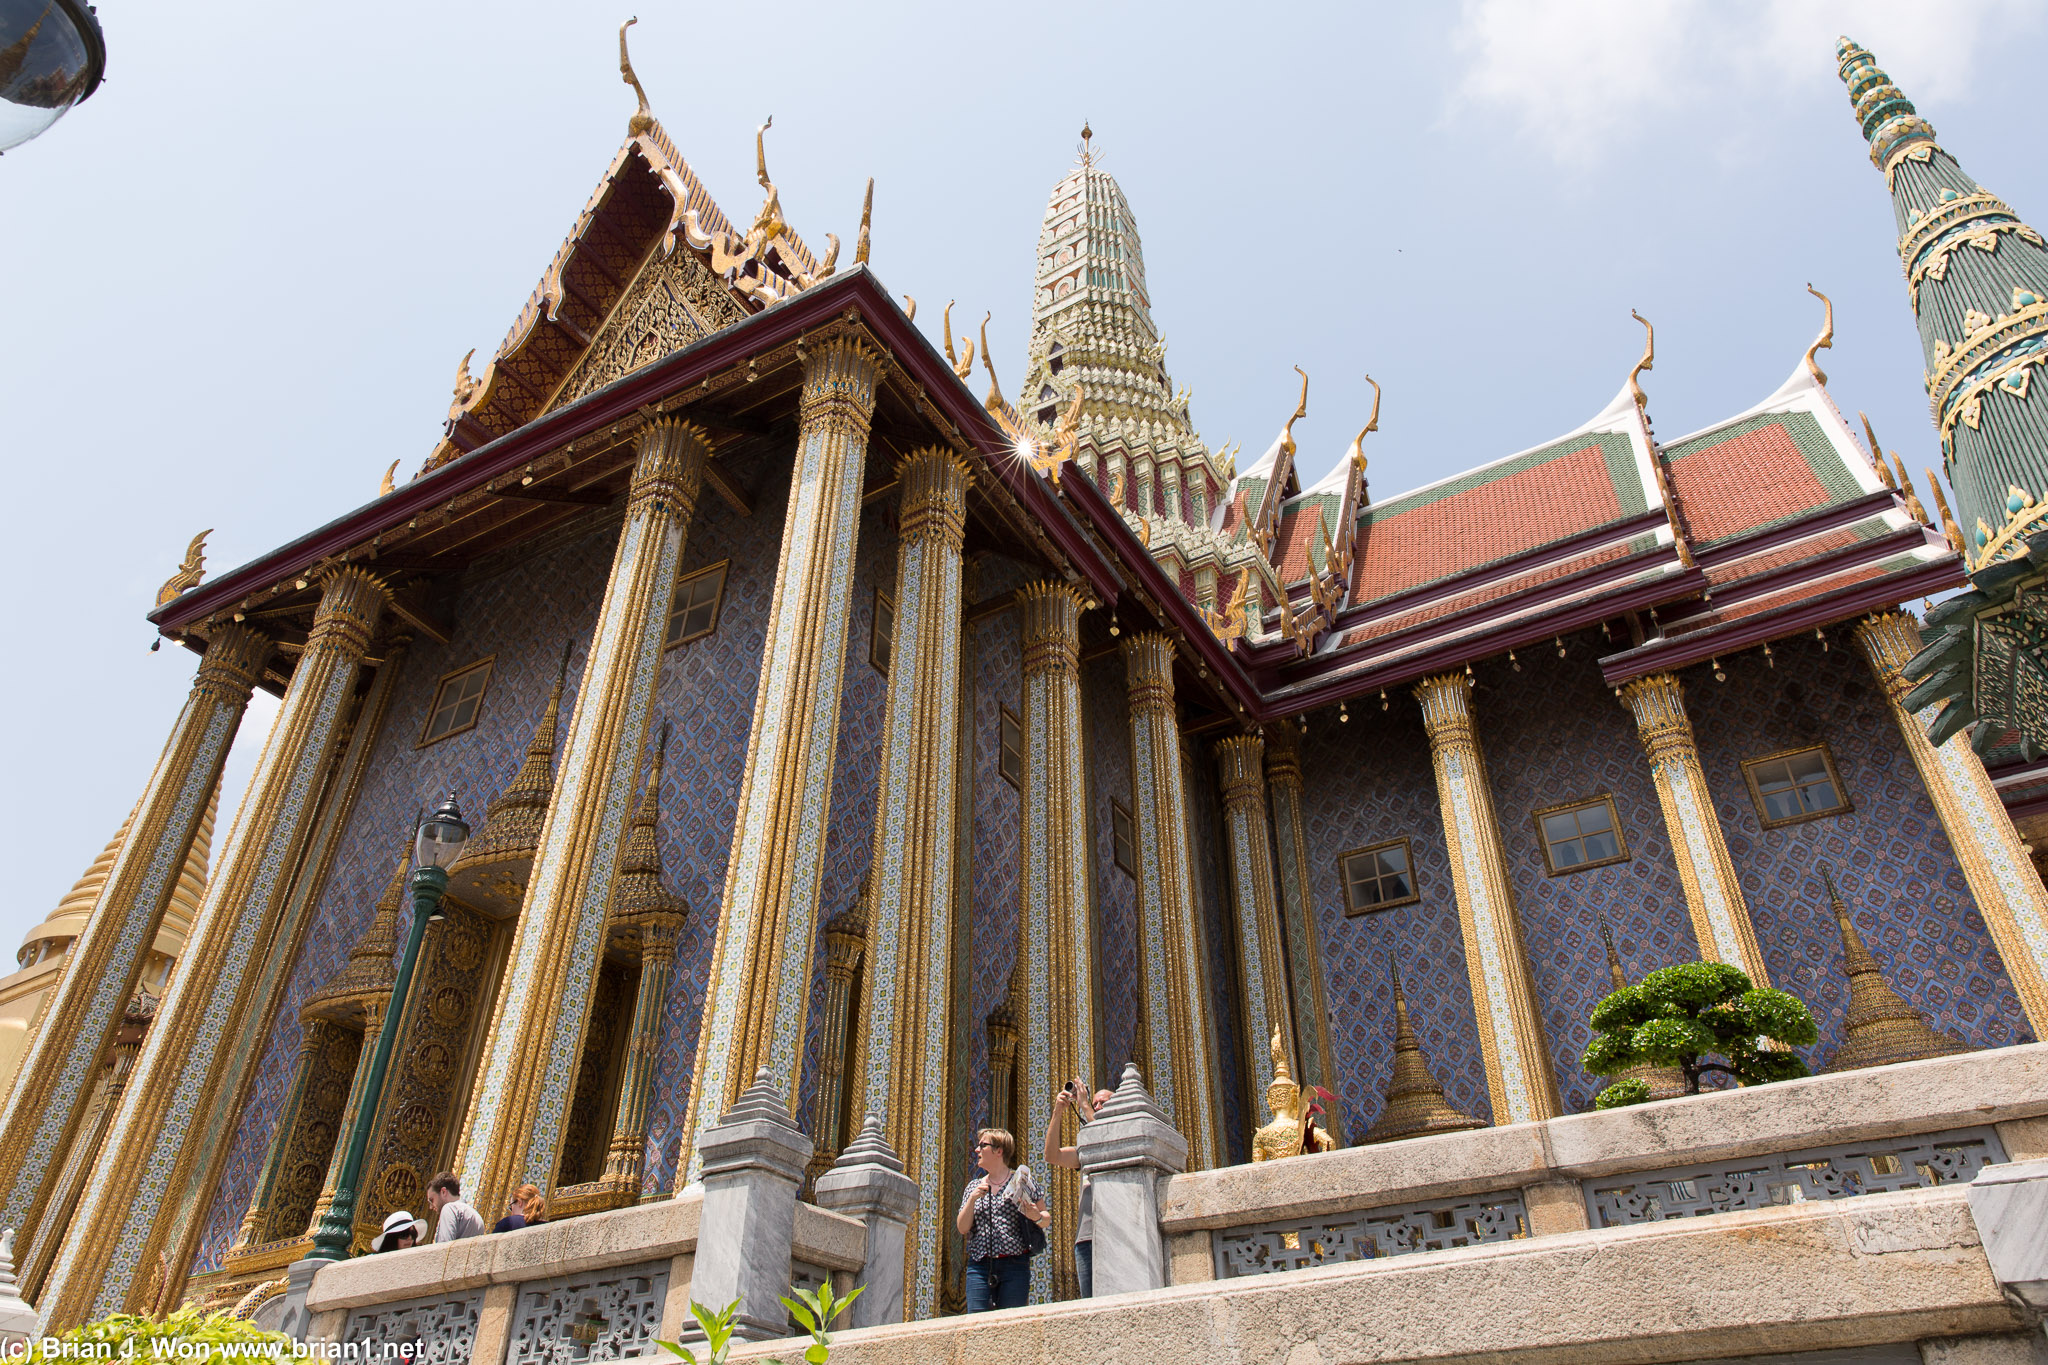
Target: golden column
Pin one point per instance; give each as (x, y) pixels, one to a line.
(1518, 1075)
(846, 945)
(1720, 917)
(1172, 1010)
(2009, 892)
(1055, 950)
(905, 1056)
(513, 1133)
(1240, 765)
(56, 1080)
(760, 984)
(1315, 1061)
(117, 1240)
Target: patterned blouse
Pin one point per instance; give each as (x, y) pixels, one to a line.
(998, 1222)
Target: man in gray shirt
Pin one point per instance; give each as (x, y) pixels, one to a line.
(457, 1219)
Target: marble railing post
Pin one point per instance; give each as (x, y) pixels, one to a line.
(908, 986)
(1240, 765)
(868, 1183)
(758, 992)
(1176, 1042)
(47, 1104)
(2008, 891)
(118, 1241)
(627, 1152)
(1055, 947)
(1315, 1062)
(1720, 916)
(1127, 1152)
(513, 1133)
(1518, 1075)
(753, 1161)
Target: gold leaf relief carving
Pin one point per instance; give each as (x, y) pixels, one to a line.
(674, 302)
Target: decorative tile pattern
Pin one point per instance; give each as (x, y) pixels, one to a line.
(1219, 966)
(1106, 712)
(998, 842)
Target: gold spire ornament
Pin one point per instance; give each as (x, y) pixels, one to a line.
(1824, 342)
(1292, 1129)
(189, 573)
(492, 871)
(1665, 1082)
(1415, 1105)
(1881, 1028)
(386, 484)
(867, 216)
(643, 117)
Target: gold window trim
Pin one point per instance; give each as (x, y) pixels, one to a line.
(717, 603)
(490, 662)
(1016, 720)
(1406, 845)
(1756, 796)
(1117, 808)
(1621, 854)
(882, 599)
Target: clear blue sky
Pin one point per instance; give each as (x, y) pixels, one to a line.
(245, 270)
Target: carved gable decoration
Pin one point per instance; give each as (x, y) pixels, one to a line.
(673, 303)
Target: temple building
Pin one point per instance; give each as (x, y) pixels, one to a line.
(831, 721)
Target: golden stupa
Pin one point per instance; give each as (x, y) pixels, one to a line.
(1415, 1105)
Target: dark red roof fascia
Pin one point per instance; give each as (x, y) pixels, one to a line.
(1830, 518)
(1820, 566)
(623, 398)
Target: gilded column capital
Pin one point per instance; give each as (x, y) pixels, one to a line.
(1658, 704)
(669, 467)
(839, 385)
(1446, 708)
(1283, 756)
(658, 934)
(1240, 765)
(1050, 618)
(234, 660)
(846, 939)
(933, 506)
(351, 599)
(1888, 640)
(1148, 671)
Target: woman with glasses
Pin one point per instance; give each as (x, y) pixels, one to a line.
(993, 1215)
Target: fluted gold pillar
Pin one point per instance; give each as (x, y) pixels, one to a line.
(284, 1133)
(117, 1240)
(846, 945)
(627, 1153)
(906, 1054)
(1713, 894)
(1315, 1061)
(56, 1081)
(1262, 968)
(520, 1105)
(1179, 1066)
(358, 1093)
(2008, 891)
(760, 981)
(1518, 1074)
(1055, 950)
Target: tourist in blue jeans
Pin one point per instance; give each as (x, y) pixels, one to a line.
(1076, 1098)
(992, 1214)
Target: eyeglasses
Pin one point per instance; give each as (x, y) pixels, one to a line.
(979, 1145)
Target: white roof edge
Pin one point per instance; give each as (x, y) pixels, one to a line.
(1617, 418)
(1802, 392)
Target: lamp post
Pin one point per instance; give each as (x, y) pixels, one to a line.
(435, 849)
(51, 57)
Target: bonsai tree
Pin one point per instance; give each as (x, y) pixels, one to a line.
(1680, 1016)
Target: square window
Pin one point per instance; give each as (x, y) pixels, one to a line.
(1123, 838)
(457, 700)
(882, 642)
(1580, 835)
(693, 614)
(1010, 749)
(1799, 784)
(1378, 877)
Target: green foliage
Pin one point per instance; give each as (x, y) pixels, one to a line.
(1680, 1016)
(815, 1310)
(187, 1335)
(717, 1327)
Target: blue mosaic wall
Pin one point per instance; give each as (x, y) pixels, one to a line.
(1555, 732)
(1367, 781)
(1890, 856)
(1105, 702)
(1213, 913)
(998, 840)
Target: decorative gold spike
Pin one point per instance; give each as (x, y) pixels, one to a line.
(995, 402)
(1906, 487)
(910, 308)
(1825, 341)
(1880, 1028)
(1949, 529)
(385, 486)
(643, 117)
(1356, 455)
(189, 573)
(1415, 1104)
(1300, 411)
(1648, 362)
(946, 333)
(761, 154)
(1876, 455)
(867, 216)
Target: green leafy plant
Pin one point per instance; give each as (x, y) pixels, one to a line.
(1680, 1016)
(188, 1335)
(717, 1325)
(814, 1309)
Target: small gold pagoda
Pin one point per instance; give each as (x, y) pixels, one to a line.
(491, 874)
(1881, 1028)
(1415, 1105)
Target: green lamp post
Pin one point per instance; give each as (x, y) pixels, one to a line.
(435, 849)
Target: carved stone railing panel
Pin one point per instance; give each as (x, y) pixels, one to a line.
(1906, 1163)
(1394, 1231)
(443, 1325)
(621, 1303)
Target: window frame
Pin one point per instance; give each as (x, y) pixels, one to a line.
(1621, 854)
(1406, 845)
(722, 569)
(1007, 714)
(882, 600)
(1130, 824)
(1756, 795)
(489, 663)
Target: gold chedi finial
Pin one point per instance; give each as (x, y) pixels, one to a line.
(1415, 1104)
(189, 573)
(1643, 366)
(643, 117)
(1087, 144)
(867, 215)
(1824, 342)
(1880, 1028)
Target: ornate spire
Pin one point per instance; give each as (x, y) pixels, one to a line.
(1890, 123)
(364, 981)
(511, 828)
(1415, 1104)
(641, 895)
(1881, 1028)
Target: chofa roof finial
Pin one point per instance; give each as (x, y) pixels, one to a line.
(1648, 362)
(643, 117)
(1825, 341)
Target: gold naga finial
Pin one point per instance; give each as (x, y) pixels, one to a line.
(994, 402)
(910, 308)
(761, 153)
(962, 365)
(189, 573)
(643, 117)
(1949, 529)
(384, 488)
(1649, 360)
(1876, 456)
(1357, 452)
(867, 215)
(1300, 411)
(1824, 342)
(1906, 487)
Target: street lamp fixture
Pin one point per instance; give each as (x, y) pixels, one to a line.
(52, 56)
(436, 846)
